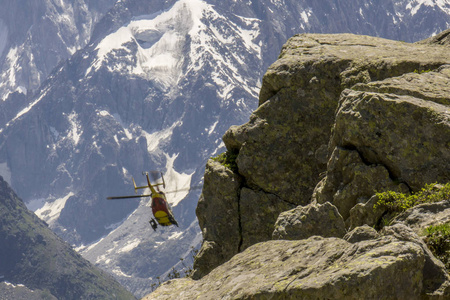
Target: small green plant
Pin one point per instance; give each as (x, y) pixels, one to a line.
(437, 239)
(422, 71)
(398, 202)
(228, 159)
(174, 273)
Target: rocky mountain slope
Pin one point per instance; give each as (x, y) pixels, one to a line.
(340, 118)
(36, 264)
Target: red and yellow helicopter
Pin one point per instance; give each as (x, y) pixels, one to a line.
(160, 207)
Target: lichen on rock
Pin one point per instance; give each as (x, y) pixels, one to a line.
(317, 268)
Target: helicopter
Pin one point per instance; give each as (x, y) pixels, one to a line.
(162, 212)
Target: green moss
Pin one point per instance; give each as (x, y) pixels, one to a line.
(437, 239)
(228, 159)
(422, 71)
(398, 202)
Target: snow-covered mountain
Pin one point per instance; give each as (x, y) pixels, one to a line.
(34, 37)
(153, 84)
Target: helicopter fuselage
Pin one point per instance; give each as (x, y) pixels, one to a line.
(161, 210)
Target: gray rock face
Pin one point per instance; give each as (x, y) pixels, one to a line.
(362, 233)
(442, 38)
(361, 91)
(422, 216)
(232, 217)
(259, 212)
(318, 268)
(408, 134)
(356, 181)
(307, 81)
(352, 116)
(218, 216)
(313, 219)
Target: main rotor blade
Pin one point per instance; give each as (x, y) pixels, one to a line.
(154, 175)
(127, 197)
(186, 189)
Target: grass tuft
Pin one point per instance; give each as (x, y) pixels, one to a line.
(399, 202)
(437, 239)
(228, 159)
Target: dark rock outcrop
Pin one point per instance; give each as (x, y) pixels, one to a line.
(219, 202)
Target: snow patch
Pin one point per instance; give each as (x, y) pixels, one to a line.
(51, 210)
(118, 119)
(160, 40)
(211, 129)
(415, 5)
(27, 109)
(177, 184)
(175, 235)
(13, 285)
(208, 41)
(305, 16)
(156, 138)
(54, 132)
(75, 131)
(125, 128)
(130, 245)
(117, 271)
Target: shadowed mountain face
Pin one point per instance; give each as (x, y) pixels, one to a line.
(153, 86)
(33, 256)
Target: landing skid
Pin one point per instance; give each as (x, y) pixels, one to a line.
(153, 224)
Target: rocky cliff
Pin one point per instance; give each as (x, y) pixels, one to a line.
(288, 211)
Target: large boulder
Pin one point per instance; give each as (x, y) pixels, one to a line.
(351, 181)
(435, 277)
(283, 148)
(422, 216)
(305, 221)
(391, 266)
(399, 124)
(361, 233)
